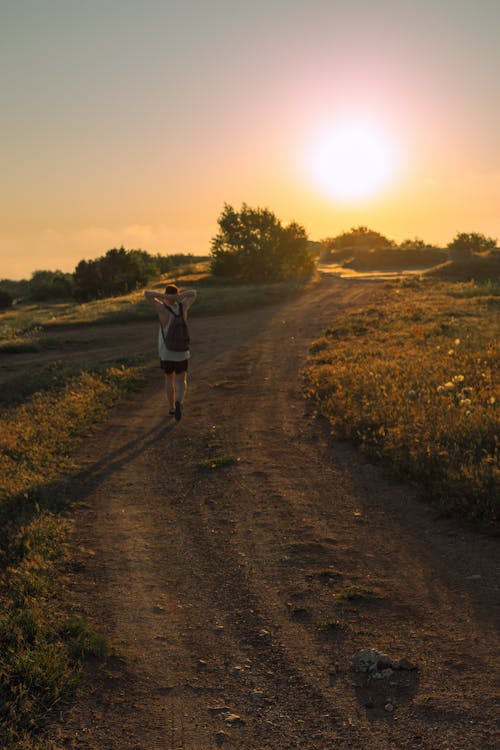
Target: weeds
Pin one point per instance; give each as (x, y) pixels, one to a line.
(41, 651)
(218, 462)
(355, 594)
(413, 382)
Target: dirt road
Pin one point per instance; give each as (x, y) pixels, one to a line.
(237, 595)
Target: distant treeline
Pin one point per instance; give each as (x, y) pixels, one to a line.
(119, 271)
(364, 249)
(252, 245)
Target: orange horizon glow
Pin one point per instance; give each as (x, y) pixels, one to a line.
(343, 118)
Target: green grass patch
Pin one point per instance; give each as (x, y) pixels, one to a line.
(355, 594)
(51, 378)
(41, 651)
(218, 462)
(21, 325)
(413, 380)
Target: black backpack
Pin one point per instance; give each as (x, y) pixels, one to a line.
(177, 336)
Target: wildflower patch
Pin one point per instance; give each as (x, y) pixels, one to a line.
(423, 401)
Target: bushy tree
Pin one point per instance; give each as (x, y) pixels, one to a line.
(253, 245)
(356, 239)
(16, 289)
(119, 271)
(50, 285)
(466, 244)
(5, 300)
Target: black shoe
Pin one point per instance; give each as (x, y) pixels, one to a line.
(178, 411)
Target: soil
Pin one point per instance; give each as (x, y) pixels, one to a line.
(239, 558)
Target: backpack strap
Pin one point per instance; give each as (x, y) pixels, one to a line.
(181, 311)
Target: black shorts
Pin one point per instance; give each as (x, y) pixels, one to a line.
(169, 366)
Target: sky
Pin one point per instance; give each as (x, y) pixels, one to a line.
(132, 122)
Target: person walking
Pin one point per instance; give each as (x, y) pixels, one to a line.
(173, 342)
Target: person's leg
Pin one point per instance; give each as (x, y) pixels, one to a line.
(180, 386)
(170, 389)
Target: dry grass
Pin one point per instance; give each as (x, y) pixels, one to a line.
(413, 381)
(41, 651)
(20, 325)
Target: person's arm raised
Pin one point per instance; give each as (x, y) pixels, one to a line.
(187, 297)
(154, 298)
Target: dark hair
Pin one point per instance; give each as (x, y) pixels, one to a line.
(171, 289)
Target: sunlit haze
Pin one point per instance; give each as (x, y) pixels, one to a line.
(353, 160)
(130, 122)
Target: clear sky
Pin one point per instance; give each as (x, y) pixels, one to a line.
(131, 122)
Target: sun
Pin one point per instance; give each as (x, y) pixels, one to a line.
(352, 161)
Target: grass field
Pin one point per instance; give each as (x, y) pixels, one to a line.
(413, 381)
(42, 650)
(21, 325)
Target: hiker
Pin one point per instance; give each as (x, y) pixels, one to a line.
(172, 308)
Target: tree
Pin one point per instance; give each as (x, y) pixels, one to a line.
(47, 285)
(352, 242)
(253, 245)
(5, 300)
(119, 271)
(466, 244)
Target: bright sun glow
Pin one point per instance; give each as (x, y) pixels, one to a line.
(352, 161)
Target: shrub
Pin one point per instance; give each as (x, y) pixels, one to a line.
(464, 245)
(48, 285)
(253, 245)
(5, 300)
(347, 244)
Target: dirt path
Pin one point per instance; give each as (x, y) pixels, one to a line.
(236, 596)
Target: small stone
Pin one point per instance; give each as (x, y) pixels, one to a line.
(332, 677)
(384, 663)
(158, 609)
(389, 707)
(234, 720)
(405, 664)
(217, 710)
(237, 669)
(219, 628)
(257, 696)
(202, 665)
(265, 635)
(366, 660)
(301, 613)
(221, 737)
(384, 674)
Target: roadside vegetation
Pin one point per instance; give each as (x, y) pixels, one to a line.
(413, 381)
(42, 650)
(252, 245)
(472, 254)
(22, 326)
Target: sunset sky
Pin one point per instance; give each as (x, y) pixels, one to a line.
(131, 122)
